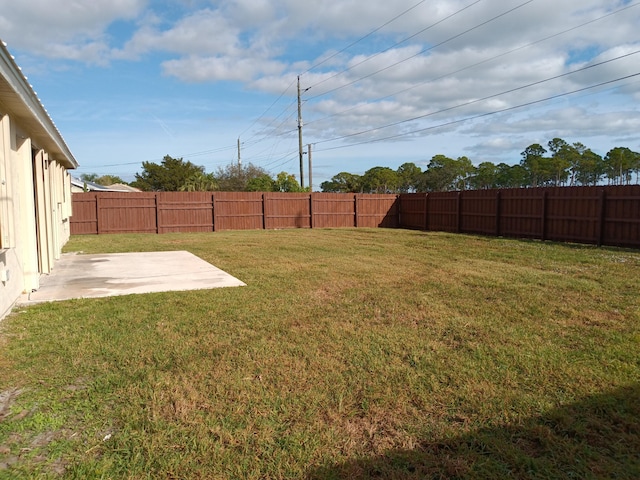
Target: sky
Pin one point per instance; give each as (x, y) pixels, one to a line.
(382, 83)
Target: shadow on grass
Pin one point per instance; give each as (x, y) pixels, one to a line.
(598, 437)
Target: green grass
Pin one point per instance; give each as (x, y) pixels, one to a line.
(349, 354)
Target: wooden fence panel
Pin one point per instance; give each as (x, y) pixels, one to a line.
(443, 211)
(333, 210)
(84, 219)
(478, 211)
(621, 216)
(413, 210)
(238, 211)
(377, 211)
(572, 214)
(521, 213)
(127, 213)
(287, 210)
(185, 212)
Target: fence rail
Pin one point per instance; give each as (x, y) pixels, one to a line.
(597, 215)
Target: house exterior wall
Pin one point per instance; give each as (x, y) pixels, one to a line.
(35, 188)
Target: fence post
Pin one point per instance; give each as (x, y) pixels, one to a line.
(355, 210)
(601, 216)
(155, 198)
(545, 194)
(264, 213)
(310, 210)
(498, 212)
(97, 214)
(459, 212)
(214, 212)
(426, 211)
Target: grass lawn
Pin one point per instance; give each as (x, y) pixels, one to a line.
(366, 353)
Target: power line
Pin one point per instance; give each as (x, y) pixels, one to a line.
(365, 37)
(477, 63)
(471, 102)
(425, 50)
(475, 117)
(346, 48)
(268, 109)
(326, 60)
(393, 46)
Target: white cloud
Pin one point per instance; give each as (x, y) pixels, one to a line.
(75, 30)
(440, 73)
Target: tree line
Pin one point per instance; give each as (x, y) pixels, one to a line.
(560, 164)
(176, 175)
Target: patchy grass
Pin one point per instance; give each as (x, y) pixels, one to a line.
(350, 354)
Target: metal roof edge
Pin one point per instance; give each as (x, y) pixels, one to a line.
(12, 73)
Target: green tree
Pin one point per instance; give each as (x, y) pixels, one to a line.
(89, 177)
(590, 168)
(538, 167)
(238, 178)
(409, 177)
(169, 176)
(485, 176)
(261, 183)
(286, 182)
(343, 182)
(562, 156)
(620, 163)
(380, 180)
(107, 180)
(200, 182)
(444, 173)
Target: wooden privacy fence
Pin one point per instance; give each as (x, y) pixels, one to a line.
(597, 215)
(163, 212)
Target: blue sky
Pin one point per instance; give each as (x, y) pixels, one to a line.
(128, 81)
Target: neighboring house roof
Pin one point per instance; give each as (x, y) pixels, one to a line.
(94, 187)
(121, 187)
(18, 97)
(90, 186)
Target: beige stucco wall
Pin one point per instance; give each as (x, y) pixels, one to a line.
(35, 207)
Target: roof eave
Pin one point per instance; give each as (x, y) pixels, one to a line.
(29, 111)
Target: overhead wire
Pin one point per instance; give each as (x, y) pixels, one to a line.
(423, 51)
(327, 59)
(352, 44)
(482, 115)
(488, 97)
(415, 86)
(468, 67)
(351, 67)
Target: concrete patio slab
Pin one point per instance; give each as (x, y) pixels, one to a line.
(104, 275)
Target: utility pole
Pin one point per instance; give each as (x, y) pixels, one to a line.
(310, 168)
(300, 135)
(239, 160)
